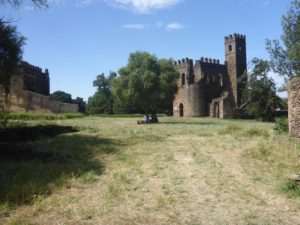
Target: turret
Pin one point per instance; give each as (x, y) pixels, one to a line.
(236, 61)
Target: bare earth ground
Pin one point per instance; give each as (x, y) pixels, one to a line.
(181, 171)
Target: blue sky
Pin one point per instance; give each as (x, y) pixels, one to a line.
(77, 40)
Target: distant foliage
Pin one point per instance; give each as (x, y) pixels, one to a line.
(146, 84)
(259, 96)
(11, 42)
(62, 96)
(285, 54)
(81, 104)
(102, 101)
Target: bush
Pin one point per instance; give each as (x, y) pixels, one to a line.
(281, 124)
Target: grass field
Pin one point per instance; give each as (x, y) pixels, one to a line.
(181, 171)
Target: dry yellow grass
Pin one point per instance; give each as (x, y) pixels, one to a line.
(181, 171)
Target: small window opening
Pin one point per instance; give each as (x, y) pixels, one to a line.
(182, 79)
(230, 48)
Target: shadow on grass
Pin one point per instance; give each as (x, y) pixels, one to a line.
(28, 170)
(27, 133)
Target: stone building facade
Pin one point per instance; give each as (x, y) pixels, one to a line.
(294, 107)
(29, 91)
(208, 88)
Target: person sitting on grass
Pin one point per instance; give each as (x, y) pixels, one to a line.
(154, 118)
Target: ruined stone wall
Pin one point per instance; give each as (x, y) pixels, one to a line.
(34, 79)
(27, 101)
(294, 107)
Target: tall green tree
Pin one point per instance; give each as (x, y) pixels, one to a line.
(285, 54)
(146, 83)
(259, 96)
(102, 101)
(11, 42)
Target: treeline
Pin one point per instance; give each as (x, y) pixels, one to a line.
(145, 85)
(62, 96)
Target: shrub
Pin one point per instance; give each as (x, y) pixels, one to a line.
(291, 188)
(281, 124)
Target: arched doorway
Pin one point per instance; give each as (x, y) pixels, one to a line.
(181, 110)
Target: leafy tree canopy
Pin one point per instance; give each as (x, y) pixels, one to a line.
(11, 43)
(285, 55)
(259, 96)
(146, 83)
(102, 101)
(81, 104)
(61, 96)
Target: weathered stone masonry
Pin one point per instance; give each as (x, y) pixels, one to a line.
(29, 91)
(208, 88)
(294, 107)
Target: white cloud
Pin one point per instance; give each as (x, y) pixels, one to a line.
(159, 25)
(174, 26)
(134, 26)
(143, 6)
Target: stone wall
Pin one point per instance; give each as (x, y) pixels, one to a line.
(27, 101)
(294, 107)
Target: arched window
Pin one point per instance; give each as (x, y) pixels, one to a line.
(182, 79)
(220, 80)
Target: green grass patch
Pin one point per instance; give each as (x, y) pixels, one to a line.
(290, 188)
(231, 130)
(256, 132)
(38, 116)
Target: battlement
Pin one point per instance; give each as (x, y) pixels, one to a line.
(183, 62)
(233, 37)
(33, 70)
(209, 60)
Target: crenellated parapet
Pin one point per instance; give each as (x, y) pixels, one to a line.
(209, 60)
(33, 70)
(186, 62)
(234, 37)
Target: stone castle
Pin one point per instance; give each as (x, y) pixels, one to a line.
(29, 91)
(208, 88)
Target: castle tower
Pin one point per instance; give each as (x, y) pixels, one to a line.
(236, 59)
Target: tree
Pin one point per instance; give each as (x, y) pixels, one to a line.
(285, 55)
(259, 96)
(146, 83)
(102, 100)
(17, 3)
(61, 96)
(81, 104)
(11, 43)
(168, 83)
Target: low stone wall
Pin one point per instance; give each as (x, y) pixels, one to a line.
(33, 102)
(294, 107)
(26, 101)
